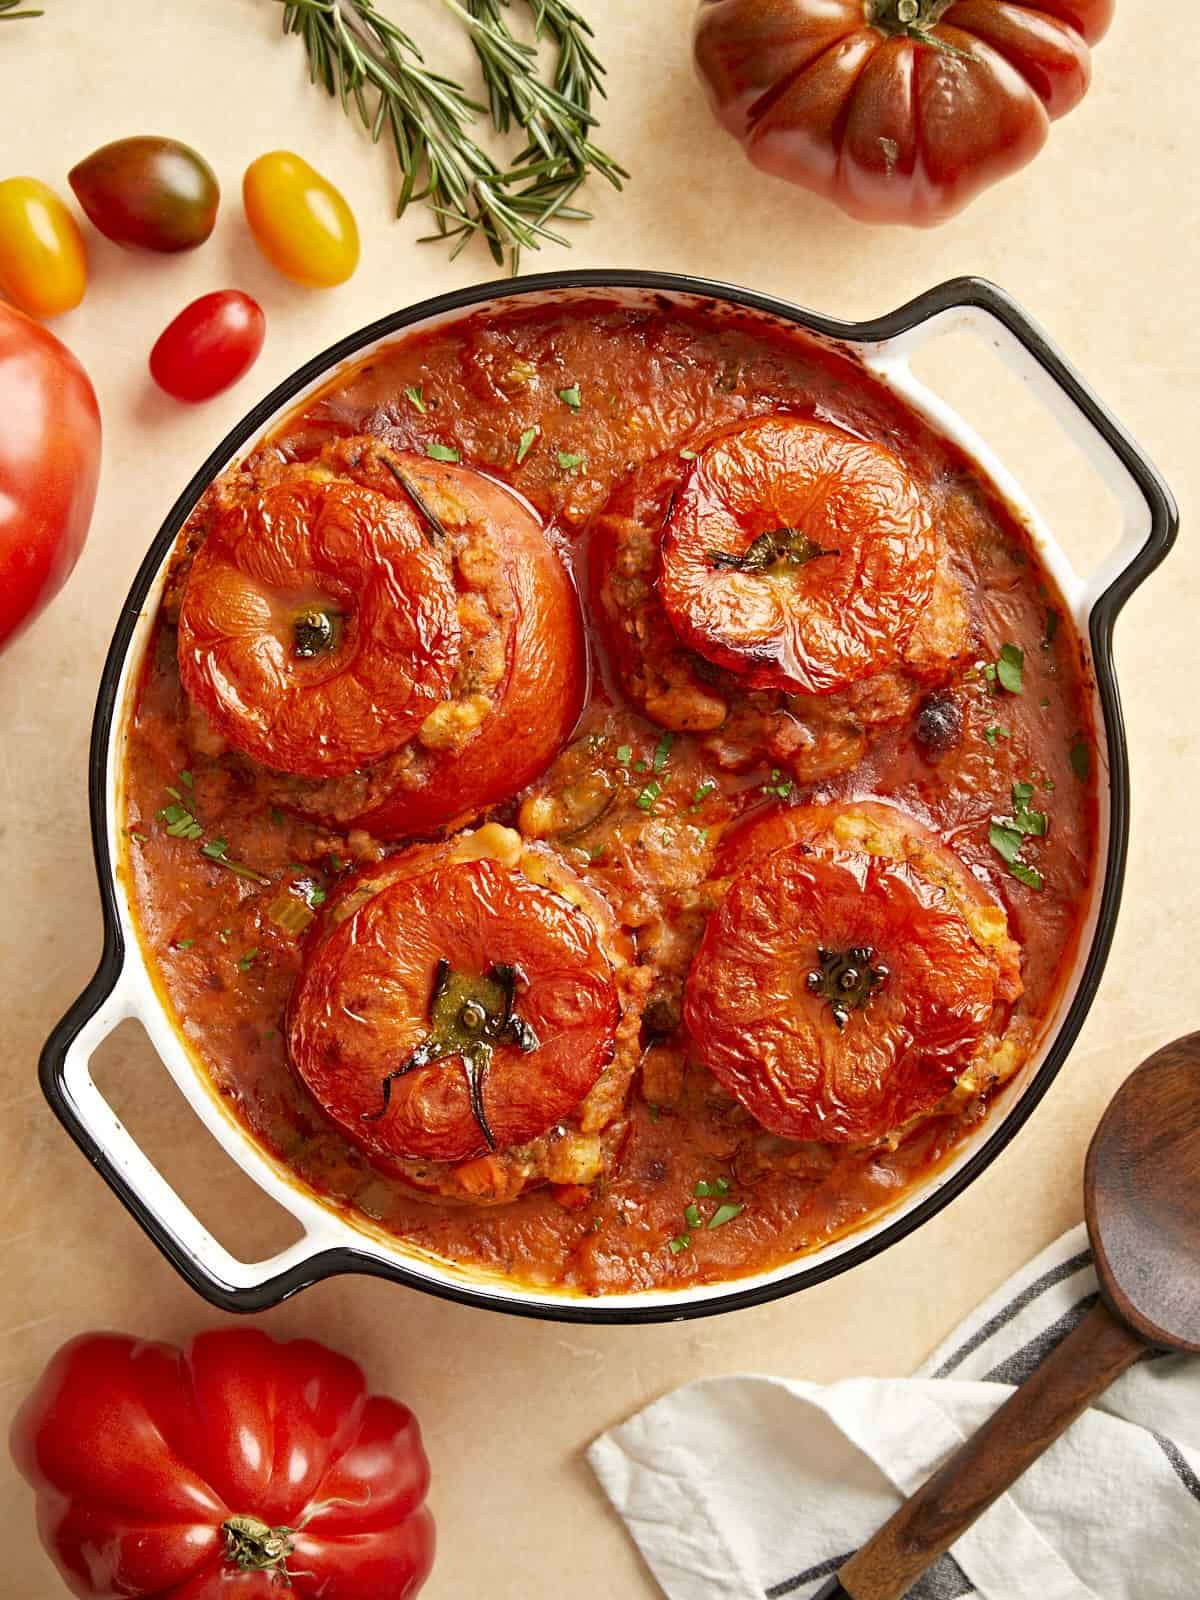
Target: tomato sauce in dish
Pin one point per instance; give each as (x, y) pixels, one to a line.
(611, 794)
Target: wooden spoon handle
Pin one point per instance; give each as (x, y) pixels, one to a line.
(991, 1461)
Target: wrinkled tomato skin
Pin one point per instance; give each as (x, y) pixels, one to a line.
(396, 652)
(43, 259)
(300, 222)
(148, 193)
(210, 345)
(842, 616)
(890, 127)
(138, 1453)
(49, 467)
(361, 1005)
(540, 702)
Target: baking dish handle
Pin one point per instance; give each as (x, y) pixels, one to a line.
(207, 1265)
(1150, 519)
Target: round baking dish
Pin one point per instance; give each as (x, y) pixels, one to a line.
(332, 1243)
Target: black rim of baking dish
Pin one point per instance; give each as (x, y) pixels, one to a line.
(327, 1263)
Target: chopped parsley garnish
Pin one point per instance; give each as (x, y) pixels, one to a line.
(649, 796)
(779, 786)
(1081, 759)
(218, 850)
(571, 397)
(692, 1216)
(687, 455)
(706, 1189)
(183, 944)
(416, 398)
(702, 835)
(181, 824)
(138, 838)
(1053, 619)
(224, 934)
(441, 452)
(662, 751)
(246, 961)
(724, 1214)
(682, 1241)
(624, 754)
(702, 793)
(569, 462)
(1009, 666)
(186, 779)
(1007, 835)
(276, 817)
(995, 732)
(526, 444)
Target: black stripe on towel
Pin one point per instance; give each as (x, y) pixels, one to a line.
(1065, 1269)
(944, 1581)
(1018, 1366)
(1183, 1470)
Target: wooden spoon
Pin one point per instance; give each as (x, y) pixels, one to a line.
(1141, 1193)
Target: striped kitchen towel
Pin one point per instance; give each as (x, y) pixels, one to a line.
(756, 1488)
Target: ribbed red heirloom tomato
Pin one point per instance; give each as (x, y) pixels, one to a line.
(899, 110)
(49, 465)
(235, 1467)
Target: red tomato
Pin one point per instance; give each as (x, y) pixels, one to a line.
(49, 464)
(899, 110)
(797, 556)
(851, 974)
(236, 1465)
(450, 1007)
(210, 345)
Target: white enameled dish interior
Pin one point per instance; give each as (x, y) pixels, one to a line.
(323, 1228)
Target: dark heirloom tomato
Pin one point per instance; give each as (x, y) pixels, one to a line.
(236, 1466)
(851, 975)
(452, 1006)
(148, 193)
(899, 110)
(797, 556)
(318, 628)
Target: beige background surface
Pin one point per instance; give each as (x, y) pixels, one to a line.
(1099, 239)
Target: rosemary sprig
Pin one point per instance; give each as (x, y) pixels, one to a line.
(377, 71)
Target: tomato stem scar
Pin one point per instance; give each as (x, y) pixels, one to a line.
(252, 1546)
(846, 979)
(775, 551)
(468, 1017)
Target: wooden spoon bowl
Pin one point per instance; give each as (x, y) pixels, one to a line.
(1142, 1204)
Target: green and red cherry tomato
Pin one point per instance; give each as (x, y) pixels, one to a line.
(235, 1467)
(43, 259)
(300, 222)
(148, 193)
(211, 344)
(49, 466)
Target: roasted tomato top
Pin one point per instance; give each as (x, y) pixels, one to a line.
(381, 624)
(454, 1006)
(797, 556)
(851, 975)
(899, 110)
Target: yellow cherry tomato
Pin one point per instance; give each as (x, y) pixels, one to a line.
(43, 259)
(299, 220)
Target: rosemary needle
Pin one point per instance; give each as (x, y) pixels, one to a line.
(377, 70)
(8, 13)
